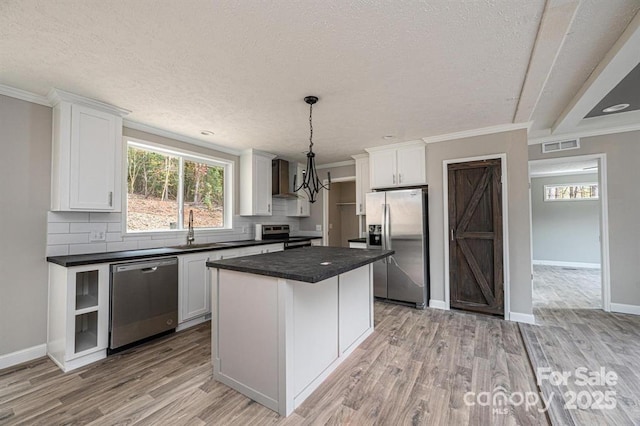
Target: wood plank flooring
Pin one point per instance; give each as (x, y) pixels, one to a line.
(415, 369)
(574, 332)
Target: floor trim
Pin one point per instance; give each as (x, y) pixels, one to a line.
(625, 309)
(524, 318)
(23, 355)
(567, 264)
(438, 304)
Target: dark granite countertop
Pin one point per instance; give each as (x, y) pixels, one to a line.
(308, 264)
(122, 256)
(358, 240)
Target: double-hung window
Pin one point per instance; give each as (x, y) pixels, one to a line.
(163, 185)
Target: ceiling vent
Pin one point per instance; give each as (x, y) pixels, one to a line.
(560, 146)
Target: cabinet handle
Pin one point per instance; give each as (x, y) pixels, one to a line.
(451, 234)
(110, 199)
(399, 177)
(269, 208)
(300, 209)
(394, 178)
(360, 207)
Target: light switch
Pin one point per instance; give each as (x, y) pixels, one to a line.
(97, 235)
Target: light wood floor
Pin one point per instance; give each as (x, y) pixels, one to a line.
(574, 332)
(414, 369)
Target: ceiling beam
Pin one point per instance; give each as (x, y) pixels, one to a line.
(556, 21)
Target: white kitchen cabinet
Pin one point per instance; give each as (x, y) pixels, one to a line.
(194, 293)
(316, 242)
(78, 314)
(398, 165)
(362, 182)
(86, 172)
(299, 207)
(357, 245)
(255, 183)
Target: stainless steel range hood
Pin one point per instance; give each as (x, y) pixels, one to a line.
(281, 185)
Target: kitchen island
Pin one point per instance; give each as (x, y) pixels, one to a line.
(282, 322)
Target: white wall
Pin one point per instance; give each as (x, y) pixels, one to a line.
(25, 137)
(623, 175)
(514, 144)
(565, 231)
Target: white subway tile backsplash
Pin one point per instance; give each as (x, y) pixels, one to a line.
(67, 217)
(67, 238)
(114, 227)
(105, 217)
(87, 227)
(87, 248)
(58, 228)
(129, 245)
(58, 250)
(114, 237)
(146, 244)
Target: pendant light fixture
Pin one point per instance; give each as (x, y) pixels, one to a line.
(310, 181)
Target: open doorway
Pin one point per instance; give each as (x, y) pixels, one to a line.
(568, 219)
(342, 223)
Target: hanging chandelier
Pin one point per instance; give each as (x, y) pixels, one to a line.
(310, 181)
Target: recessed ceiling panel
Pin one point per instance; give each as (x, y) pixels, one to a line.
(626, 92)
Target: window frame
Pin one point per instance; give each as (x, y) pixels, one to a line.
(182, 154)
(553, 200)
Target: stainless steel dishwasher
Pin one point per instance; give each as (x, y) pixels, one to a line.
(144, 300)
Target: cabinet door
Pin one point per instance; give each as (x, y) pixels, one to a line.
(383, 168)
(195, 286)
(262, 185)
(300, 207)
(93, 159)
(362, 184)
(411, 166)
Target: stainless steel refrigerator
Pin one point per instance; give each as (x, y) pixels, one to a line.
(397, 220)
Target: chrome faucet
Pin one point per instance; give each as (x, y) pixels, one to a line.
(190, 237)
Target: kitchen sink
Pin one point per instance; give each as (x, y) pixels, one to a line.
(197, 246)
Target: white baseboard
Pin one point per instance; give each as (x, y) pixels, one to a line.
(524, 318)
(438, 304)
(625, 309)
(567, 264)
(24, 355)
(193, 322)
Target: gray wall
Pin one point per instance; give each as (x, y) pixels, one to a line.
(623, 174)
(309, 223)
(565, 231)
(26, 181)
(514, 144)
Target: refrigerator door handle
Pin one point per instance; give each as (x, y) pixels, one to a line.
(387, 231)
(383, 222)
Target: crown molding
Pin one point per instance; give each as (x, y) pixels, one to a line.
(584, 134)
(253, 151)
(182, 138)
(336, 164)
(395, 145)
(23, 95)
(359, 156)
(478, 132)
(56, 96)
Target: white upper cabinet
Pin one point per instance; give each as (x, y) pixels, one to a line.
(398, 165)
(255, 183)
(299, 207)
(86, 170)
(362, 182)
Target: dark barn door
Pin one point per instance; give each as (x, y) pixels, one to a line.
(475, 237)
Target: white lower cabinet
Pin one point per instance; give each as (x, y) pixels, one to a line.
(78, 323)
(194, 288)
(194, 293)
(316, 242)
(357, 245)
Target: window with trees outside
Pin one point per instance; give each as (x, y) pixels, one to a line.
(163, 186)
(571, 192)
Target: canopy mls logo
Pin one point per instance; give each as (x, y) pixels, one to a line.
(502, 399)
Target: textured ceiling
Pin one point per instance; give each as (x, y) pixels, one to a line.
(409, 69)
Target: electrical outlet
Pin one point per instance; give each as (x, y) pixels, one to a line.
(245, 229)
(97, 235)
(331, 226)
(318, 227)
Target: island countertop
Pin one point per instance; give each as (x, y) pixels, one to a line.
(307, 264)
